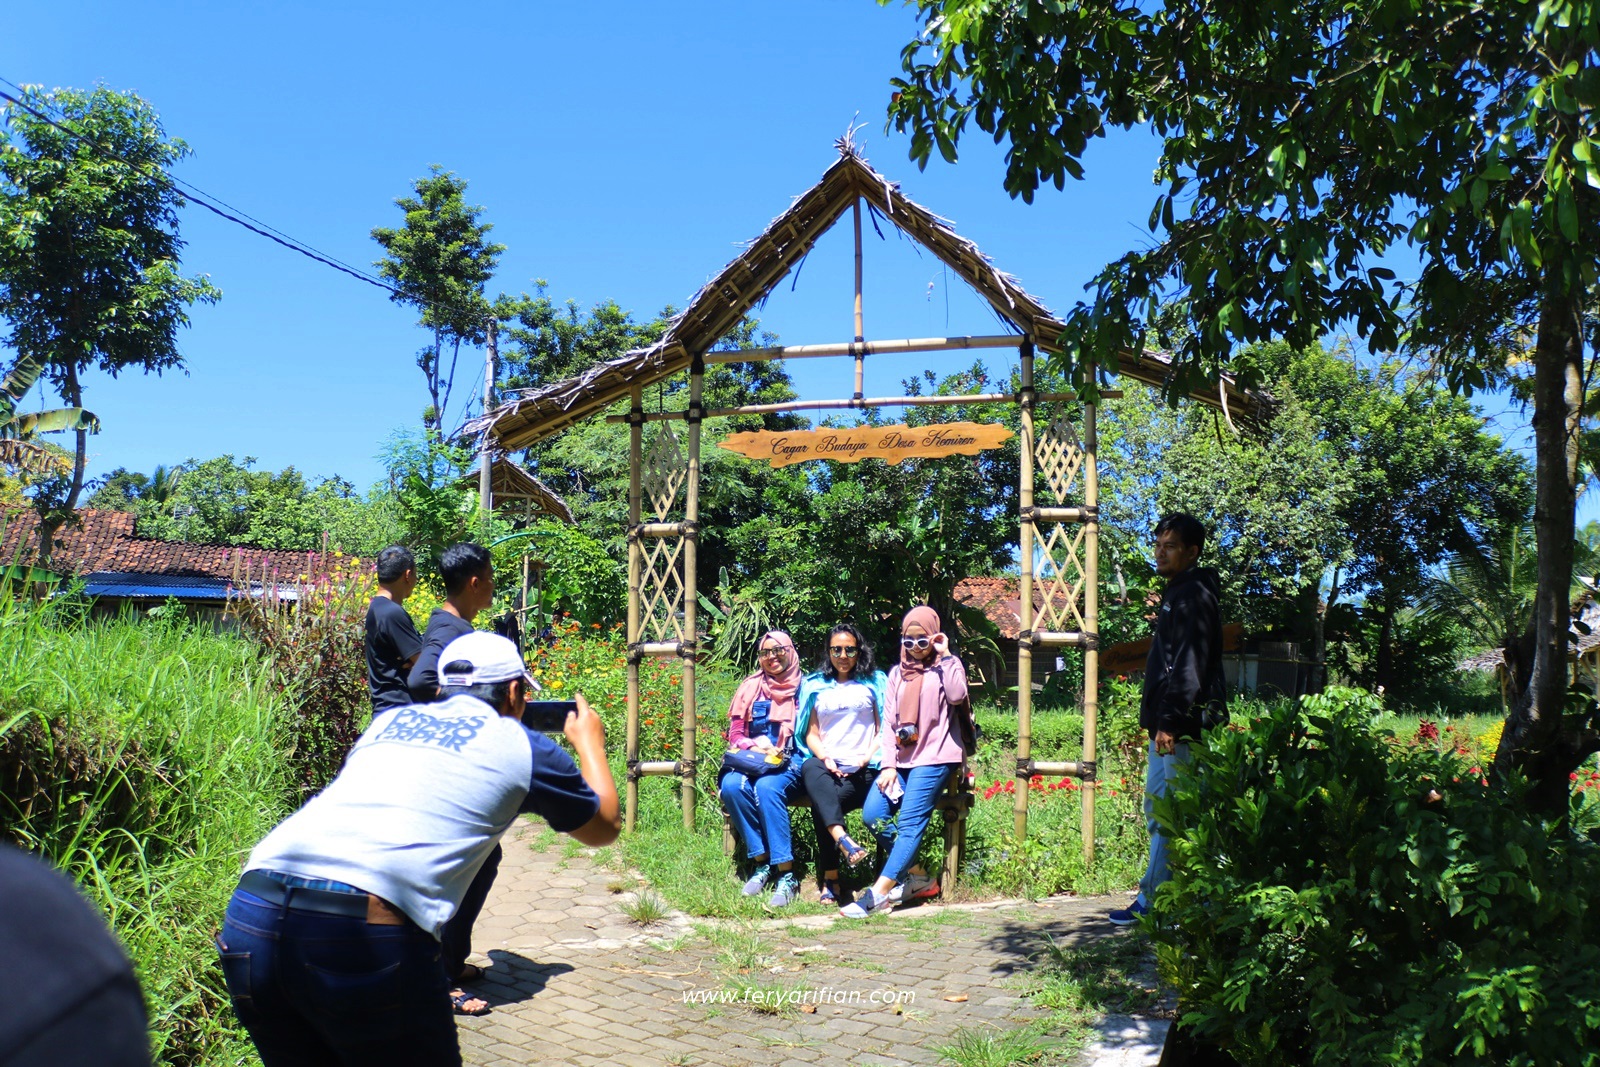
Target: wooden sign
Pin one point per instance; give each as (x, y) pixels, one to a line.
(888, 443)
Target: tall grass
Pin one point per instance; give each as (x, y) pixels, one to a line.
(138, 757)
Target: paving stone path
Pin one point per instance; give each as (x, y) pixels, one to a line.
(573, 981)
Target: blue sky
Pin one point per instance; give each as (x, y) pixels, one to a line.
(622, 151)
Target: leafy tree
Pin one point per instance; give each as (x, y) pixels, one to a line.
(1302, 140)
(440, 260)
(89, 261)
(1426, 480)
(226, 501)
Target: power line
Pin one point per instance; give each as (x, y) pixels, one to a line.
(204, 199)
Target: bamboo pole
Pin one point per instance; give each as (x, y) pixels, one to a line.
(865, 402)
(861, 336)
(635, 566)
(485, 444)
(1024, 651)
(866, 348)
(1091, 619)
(691, 553)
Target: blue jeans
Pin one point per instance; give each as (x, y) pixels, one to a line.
(899, 826)
(760, 810)
(1158, 774)
(324, 989)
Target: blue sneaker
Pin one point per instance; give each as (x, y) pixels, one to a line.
(787, 889)
(757, 881)
(1129, 915)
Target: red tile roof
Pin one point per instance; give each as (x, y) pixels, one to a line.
(105, 541)
(998, 598)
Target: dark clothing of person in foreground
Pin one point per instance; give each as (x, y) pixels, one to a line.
(70, 995)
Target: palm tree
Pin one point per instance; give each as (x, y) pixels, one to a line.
(1488, 588)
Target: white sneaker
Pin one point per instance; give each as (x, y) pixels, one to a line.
(915, 887)
(868, 903)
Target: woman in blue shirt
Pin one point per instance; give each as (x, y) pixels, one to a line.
(837, 731)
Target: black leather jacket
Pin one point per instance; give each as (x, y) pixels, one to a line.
(1184, 690)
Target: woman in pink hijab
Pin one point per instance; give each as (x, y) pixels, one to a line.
(761, 717)
(921, 748)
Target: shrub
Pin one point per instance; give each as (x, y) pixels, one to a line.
(311, 627)
(1339, 897)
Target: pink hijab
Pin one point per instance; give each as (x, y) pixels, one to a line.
(911, 670)
(763, 686)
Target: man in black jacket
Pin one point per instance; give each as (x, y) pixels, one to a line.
(1184, 691)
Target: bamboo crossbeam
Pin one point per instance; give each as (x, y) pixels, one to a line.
(659, 648)
(1056, 768)
(1060, 638)
(660, 529)
(1083, 514)
(658, 767)
(865, 348)
(871, 402)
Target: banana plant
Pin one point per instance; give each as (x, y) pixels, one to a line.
(18, 449)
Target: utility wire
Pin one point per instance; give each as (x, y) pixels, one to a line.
(204, 199)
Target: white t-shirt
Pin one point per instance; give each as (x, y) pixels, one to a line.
(848, 723)
(422, 799)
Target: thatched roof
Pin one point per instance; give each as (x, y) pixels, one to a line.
(744, 283)
(510, 485)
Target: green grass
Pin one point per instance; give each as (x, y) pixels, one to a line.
(148, 770)
(1079, 985)
(984, 1046)
(645, 909)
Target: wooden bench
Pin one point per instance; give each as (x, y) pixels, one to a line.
(953, 806)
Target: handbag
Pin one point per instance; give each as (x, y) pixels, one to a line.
(750, 763)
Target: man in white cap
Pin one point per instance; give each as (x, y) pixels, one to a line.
(330, 946)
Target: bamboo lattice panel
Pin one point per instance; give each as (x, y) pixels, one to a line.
(661, 588)
(1059, 586)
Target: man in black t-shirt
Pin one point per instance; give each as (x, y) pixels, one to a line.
(392, 641)
(468, 573)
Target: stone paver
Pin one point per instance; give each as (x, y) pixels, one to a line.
(573, 981)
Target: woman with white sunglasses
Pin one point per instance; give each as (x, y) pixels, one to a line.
(921, 748)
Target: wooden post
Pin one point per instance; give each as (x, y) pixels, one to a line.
(1025, 639)
(635, 567)
(691, 551)
(860, 331)
(485, 449)
(1091, 620)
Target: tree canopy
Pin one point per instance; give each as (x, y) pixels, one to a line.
(1302, 141)
(89, 252)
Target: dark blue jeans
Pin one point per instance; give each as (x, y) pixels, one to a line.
(322, 989)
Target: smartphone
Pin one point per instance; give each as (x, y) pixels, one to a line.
(548, 716)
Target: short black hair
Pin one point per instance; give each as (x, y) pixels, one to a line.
(495, 694)
(461, 563)
(1186, 526)
(393, 562)
(864, 665)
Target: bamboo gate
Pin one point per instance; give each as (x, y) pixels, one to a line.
(1059, 546)
(1058, 511)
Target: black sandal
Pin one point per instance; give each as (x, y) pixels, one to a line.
(460, 998)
